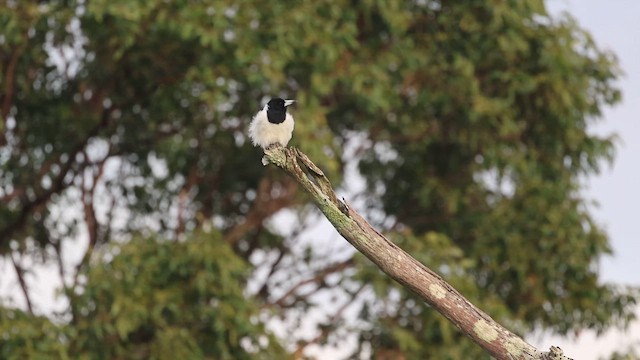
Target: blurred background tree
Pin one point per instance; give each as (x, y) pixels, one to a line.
(123, 135)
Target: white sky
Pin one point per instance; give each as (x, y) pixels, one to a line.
(615, 26)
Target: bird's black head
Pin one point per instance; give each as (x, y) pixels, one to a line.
(277, 110)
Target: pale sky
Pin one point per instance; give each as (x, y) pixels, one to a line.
(615, 26)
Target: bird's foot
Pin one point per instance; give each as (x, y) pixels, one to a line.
(273, 146)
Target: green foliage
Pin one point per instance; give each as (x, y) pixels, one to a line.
(164, 300)
(153, 300)
(127, 117)
(23, 336)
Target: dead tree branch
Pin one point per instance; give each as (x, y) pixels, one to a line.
(395, 262)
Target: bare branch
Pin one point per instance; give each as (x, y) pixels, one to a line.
(57, 247)
(22, 282)
(93, 225)
(318, 277)
(263, 207)
(183, 200)
(435, 291)
(325, 331)
(58, 182)
(7, 98)
(283, 249)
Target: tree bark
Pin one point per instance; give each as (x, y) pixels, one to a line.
(402, 267)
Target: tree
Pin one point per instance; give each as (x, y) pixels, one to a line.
(469, 122)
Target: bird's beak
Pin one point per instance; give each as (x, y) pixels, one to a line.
(288, 102)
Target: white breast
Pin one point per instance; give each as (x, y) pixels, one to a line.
(263, 133)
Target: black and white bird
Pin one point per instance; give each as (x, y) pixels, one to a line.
(272, 125)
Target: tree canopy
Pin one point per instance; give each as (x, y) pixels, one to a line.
(123, 132)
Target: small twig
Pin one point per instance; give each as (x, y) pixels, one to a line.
(57, 247)
(183, 201)
(93, 225)
(263, 207)
(7, 100)
(23, 283)
(324, 332)
(316, 278)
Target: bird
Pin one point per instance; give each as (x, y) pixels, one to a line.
(273, 125)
